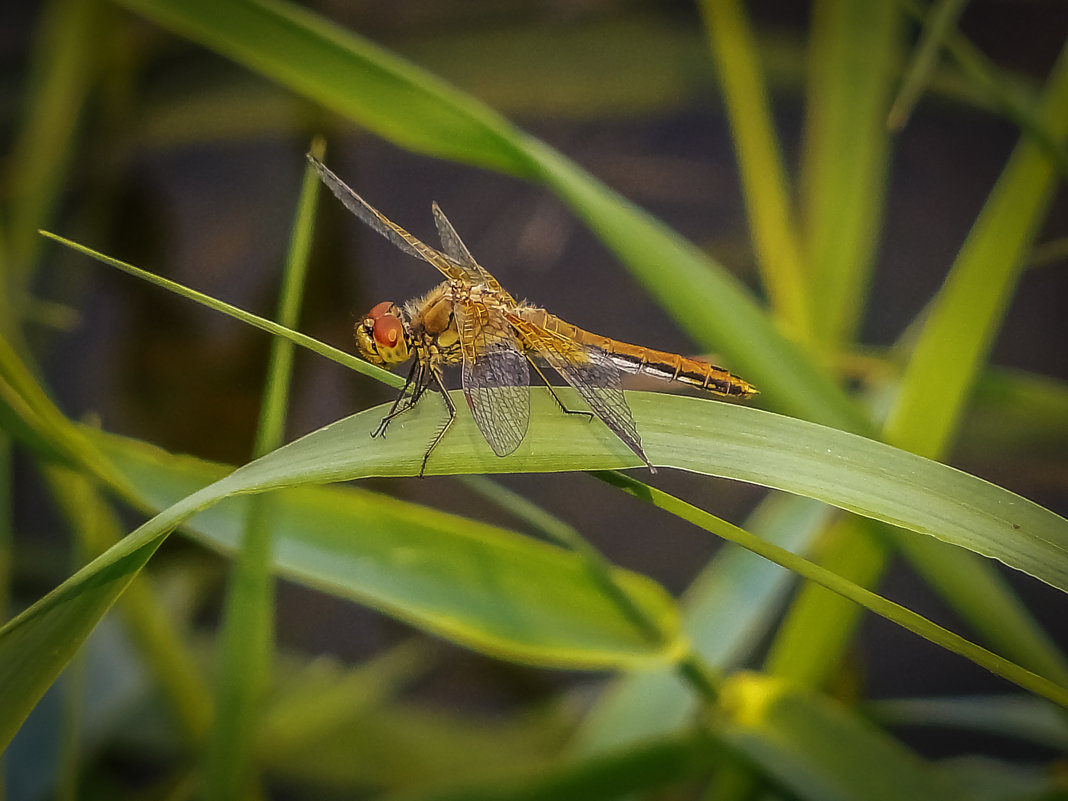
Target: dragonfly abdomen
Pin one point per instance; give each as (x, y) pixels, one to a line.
(645, 361)
(673, 367)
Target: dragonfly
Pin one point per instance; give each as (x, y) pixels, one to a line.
(471, 320)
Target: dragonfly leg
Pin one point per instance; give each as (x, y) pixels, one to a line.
(404, 402)
(436, 377)
(560, 403)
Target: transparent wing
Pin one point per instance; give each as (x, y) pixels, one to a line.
(591, 373)
(495, 376)
(456, 250)
(385, 226)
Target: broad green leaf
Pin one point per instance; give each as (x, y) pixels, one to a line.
(844, 470)
(817, 748)
(453, 576)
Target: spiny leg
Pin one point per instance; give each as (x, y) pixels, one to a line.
(416, 381)
(560, 403)
(440, 387)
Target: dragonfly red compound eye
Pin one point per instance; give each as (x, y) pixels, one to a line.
(387, 330)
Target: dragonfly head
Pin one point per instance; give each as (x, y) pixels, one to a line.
(382, 335)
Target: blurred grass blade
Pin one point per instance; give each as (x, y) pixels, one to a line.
(767, 189)
(853, 59)
(1015, 103)
(817, 748)
(941, 21)
(148, 622)
(348, 74)
(949, 353)
(968, 310)
(64, 68)
(1021, 717)
(247, 631)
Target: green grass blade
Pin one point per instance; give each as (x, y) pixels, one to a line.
(949, 353)
(853, 53)
(347, 74)
(968, 311)
(844, 470)
(148, 624)
(941, 22)
(767, 190)
(894, 612)
(60, 80)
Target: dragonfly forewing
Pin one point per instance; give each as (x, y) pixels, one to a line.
(403, 240)
(456, 250)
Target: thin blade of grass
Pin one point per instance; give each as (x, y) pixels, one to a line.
(271, 327)
(767, 189)
(64, 67)
(941, 21)
(852, 63)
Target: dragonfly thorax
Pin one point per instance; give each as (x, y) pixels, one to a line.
(382, 335)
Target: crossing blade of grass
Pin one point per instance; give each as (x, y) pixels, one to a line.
(941, 22)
